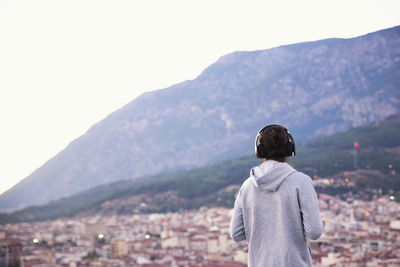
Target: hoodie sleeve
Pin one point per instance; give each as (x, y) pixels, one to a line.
(308, 202)
(237, 225)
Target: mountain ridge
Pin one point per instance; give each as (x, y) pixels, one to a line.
(331, 84)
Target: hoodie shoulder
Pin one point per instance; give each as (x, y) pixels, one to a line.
(245, 184)
(302, 175)
(299, 178)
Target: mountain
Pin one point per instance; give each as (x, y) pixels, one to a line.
(314, 88)
(217, 184)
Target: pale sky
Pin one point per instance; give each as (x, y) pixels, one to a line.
(65, 65)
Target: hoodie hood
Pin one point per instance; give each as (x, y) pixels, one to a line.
(270, 174)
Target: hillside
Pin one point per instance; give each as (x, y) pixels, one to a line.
(217, 184)
(315, 89)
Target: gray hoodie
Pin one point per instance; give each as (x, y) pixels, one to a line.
(276, 209)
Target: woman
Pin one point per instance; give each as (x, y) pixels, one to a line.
(276, 208)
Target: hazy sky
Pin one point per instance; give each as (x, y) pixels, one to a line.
(65, 65)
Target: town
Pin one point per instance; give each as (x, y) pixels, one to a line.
(356, 233)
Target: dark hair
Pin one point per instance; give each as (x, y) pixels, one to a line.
(275, 141)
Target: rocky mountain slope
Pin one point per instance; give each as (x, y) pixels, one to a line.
(315, 88)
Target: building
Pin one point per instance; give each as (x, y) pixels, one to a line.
(10, 252)
(118, 248)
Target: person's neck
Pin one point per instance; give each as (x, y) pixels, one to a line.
(264, 161)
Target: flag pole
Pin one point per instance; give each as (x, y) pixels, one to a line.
(355, 146)
(355, 158)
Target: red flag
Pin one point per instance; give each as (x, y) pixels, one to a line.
(356, 144)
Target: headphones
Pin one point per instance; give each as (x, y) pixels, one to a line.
(259, 149)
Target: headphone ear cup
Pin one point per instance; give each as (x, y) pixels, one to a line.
(293, 150)
(289, 149)
(260, 152)
(258, 146)
(291, 146)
